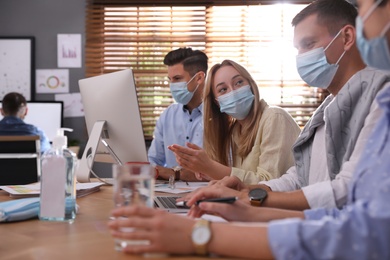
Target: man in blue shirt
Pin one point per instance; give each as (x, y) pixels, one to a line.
(14, 109)
(181, 122)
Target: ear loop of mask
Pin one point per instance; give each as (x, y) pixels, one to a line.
(387, 27)
(370, 10)
(192, 79)
(334, 38)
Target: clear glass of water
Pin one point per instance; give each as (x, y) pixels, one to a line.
(133, 184)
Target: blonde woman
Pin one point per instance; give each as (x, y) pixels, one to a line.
(243, 135)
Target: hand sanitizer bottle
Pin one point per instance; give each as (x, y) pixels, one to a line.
(58, 184)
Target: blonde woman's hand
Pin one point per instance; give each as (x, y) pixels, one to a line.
(191, 157)
(203, 177)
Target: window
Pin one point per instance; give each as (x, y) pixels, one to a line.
(122, 35)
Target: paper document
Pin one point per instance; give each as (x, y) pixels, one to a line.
(180, 187)
(33, 190)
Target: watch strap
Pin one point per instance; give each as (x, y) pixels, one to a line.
(201, 249)
(256, 203)
(176, 170)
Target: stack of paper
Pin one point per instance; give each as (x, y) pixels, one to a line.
(33, 190)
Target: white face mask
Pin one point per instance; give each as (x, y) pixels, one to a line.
(374, 52)
(314, 69)
(180, 91)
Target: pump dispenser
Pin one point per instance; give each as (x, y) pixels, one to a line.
(61, 141)
(58, 186)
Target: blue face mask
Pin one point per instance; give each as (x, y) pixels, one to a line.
(314, 69)
(180, 91)
(374, 52)
(237, 103)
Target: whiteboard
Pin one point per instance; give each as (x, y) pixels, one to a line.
(16, 66)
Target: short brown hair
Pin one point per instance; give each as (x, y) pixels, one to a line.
(12, 103)
(193, 60)
(334, 14)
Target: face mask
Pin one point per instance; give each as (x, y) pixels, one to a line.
(237, 103)
(314, 69)
(374, 52)
(180, 91)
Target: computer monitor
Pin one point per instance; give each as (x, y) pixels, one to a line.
(112, 114)
(46, 115)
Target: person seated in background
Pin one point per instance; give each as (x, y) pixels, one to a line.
(331, 143)
(14, 109)
(182, 121)
(361, 230)
(373, 32)
(243, 135)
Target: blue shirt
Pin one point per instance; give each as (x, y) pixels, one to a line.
(12, 125)
(361, 230)
(175, 126)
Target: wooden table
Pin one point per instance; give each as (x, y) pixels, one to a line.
(87, 238)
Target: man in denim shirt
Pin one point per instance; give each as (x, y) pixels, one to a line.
(14, 109)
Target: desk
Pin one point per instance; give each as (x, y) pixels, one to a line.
(87, 238)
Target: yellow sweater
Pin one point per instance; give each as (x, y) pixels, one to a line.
(271, 154)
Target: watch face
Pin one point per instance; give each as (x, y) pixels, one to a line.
(201, 235)
(257, 194)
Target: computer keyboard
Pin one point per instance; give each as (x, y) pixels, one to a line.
(168, 202)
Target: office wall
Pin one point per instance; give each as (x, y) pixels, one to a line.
(44, 19)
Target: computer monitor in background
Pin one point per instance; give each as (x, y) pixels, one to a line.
(46, 115)
(111, 113)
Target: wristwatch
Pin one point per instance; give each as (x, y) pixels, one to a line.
(201, 235)
(257, 196)
(176, 170)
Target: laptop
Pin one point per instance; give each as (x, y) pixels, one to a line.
(168, 203)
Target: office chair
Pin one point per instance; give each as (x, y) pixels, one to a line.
(19, 160)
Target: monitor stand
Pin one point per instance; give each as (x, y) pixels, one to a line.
(83, 169)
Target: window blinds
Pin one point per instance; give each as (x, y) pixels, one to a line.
(121, 35)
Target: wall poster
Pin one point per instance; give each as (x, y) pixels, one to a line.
(17, 66)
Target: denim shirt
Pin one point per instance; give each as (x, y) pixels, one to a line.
(11, 125)
(361, 230)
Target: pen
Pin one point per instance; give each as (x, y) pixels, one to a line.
(229, 200)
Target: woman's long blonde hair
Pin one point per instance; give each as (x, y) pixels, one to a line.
(218, 127)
